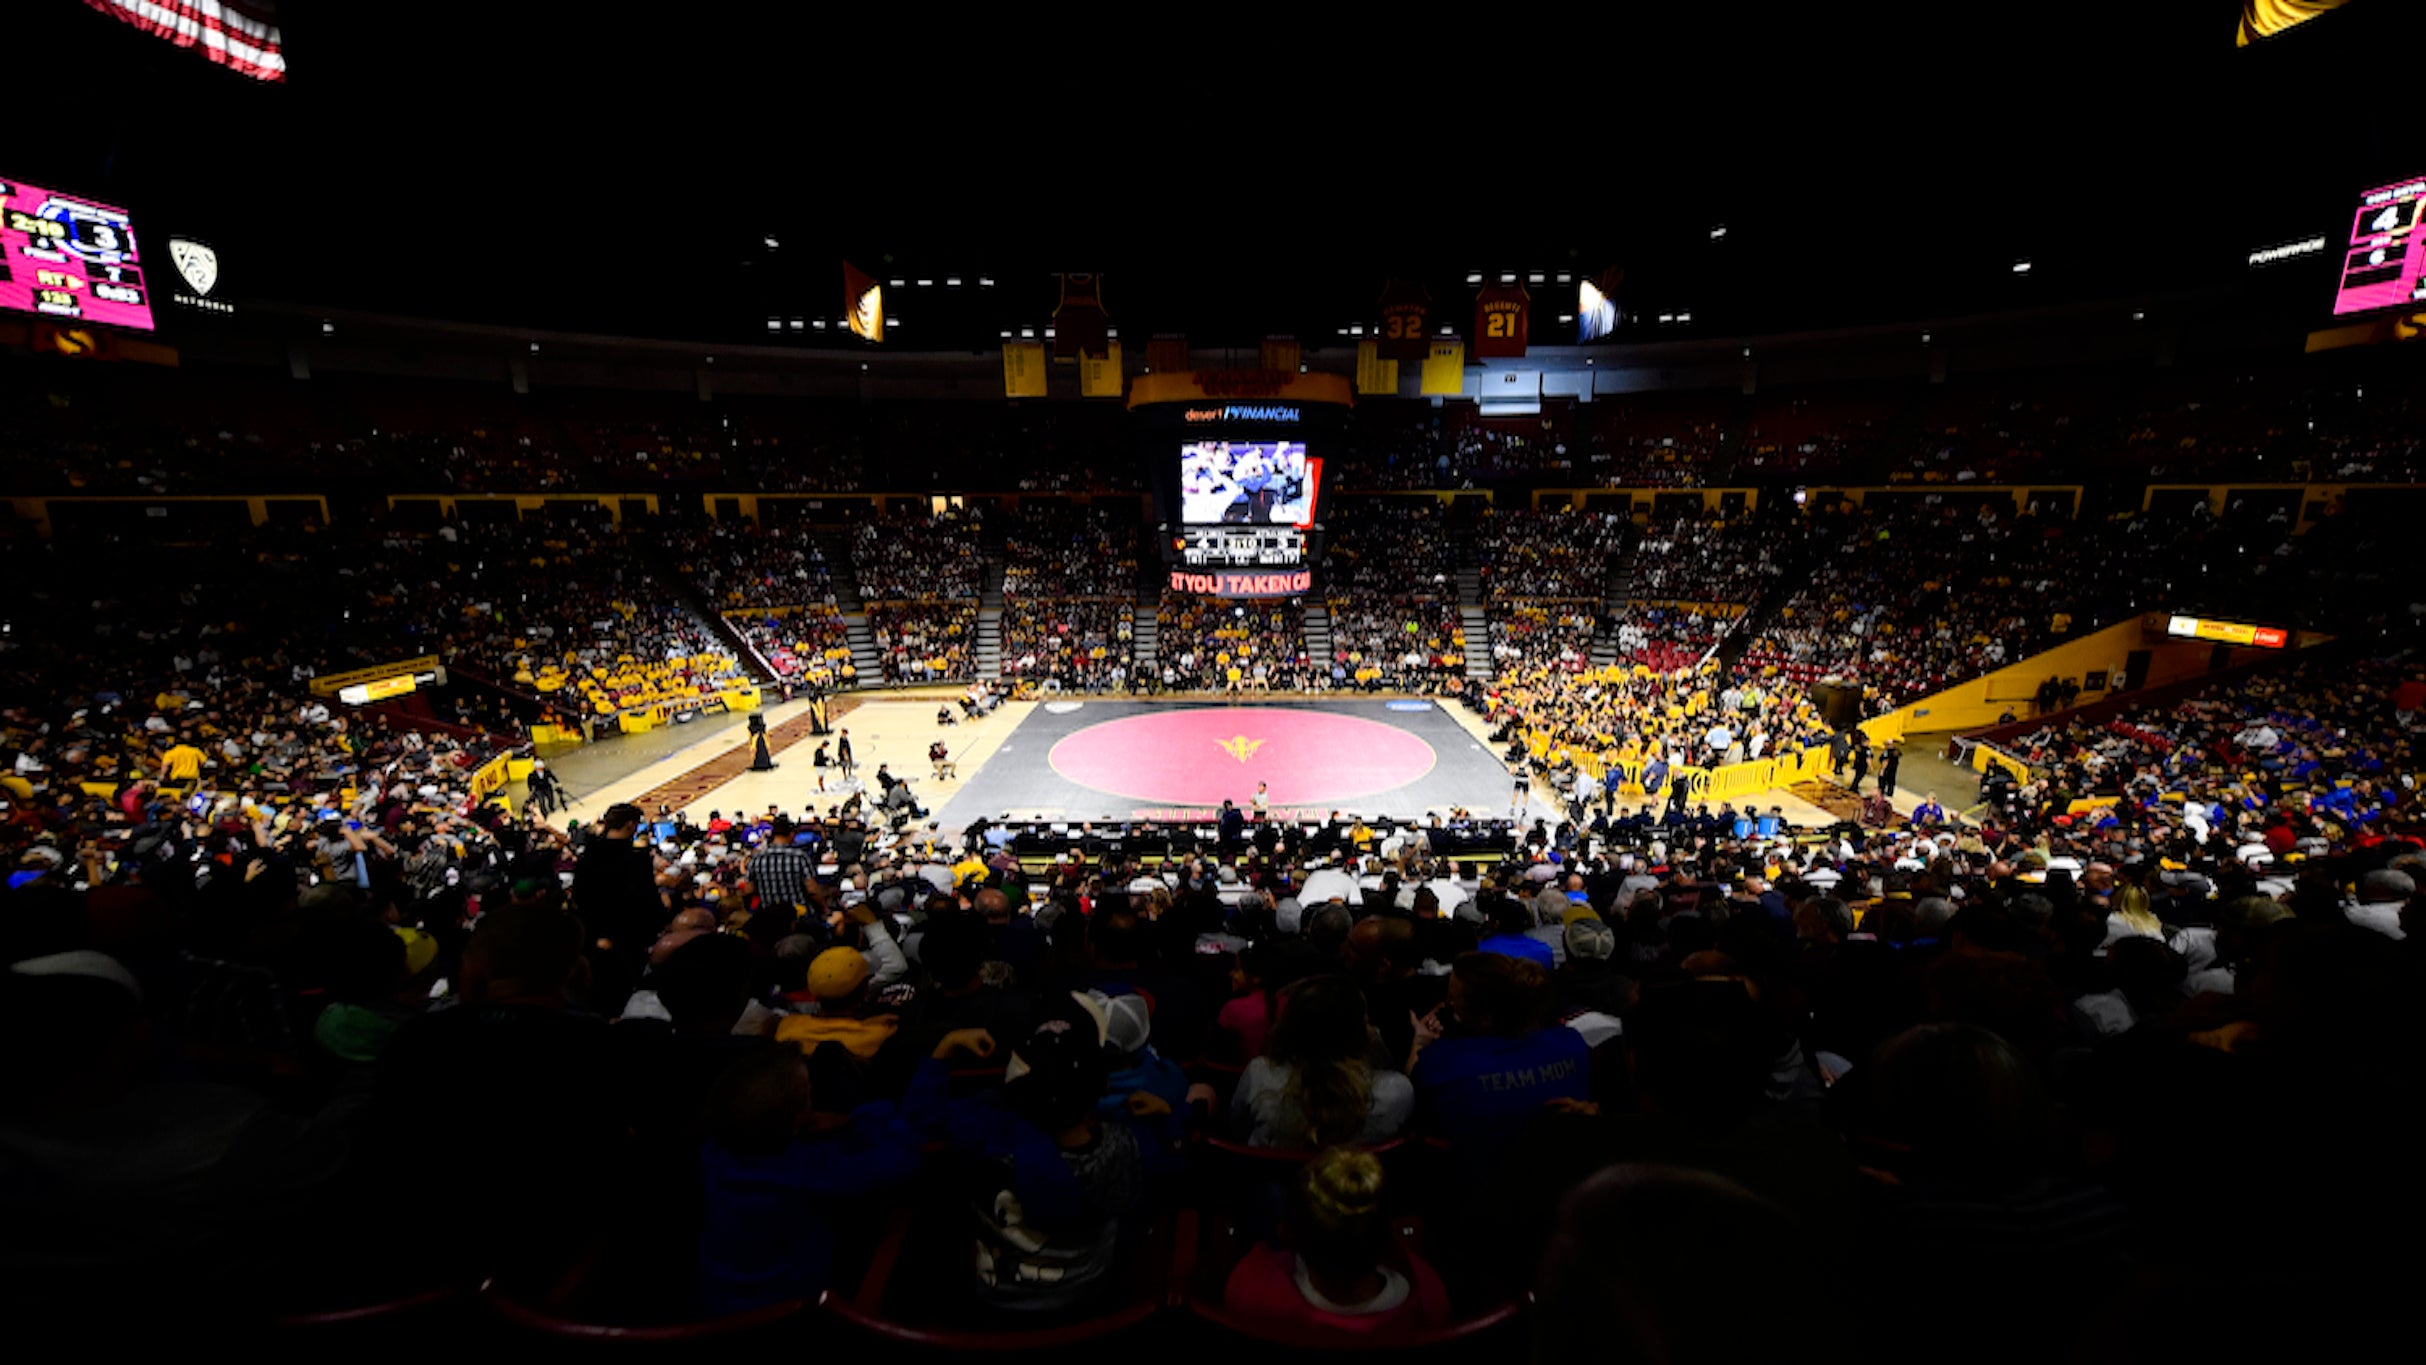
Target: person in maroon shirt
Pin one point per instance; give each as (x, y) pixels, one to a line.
(1336, 1267)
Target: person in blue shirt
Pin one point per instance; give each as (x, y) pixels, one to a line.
(1512, 933)
(1146, 1090)
(771, 1186)
(1489, 1068)
(1655, 775)
(1928, 812)
(1065, 1185)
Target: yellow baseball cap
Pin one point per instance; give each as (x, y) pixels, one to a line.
(837, 972)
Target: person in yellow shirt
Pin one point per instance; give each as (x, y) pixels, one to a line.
(182, 765)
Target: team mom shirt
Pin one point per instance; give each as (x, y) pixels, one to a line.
(1482, 1089)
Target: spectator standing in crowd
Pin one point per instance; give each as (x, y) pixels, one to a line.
(615, 884)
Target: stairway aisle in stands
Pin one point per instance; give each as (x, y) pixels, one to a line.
(1318, 635)
(989, 609)
(1617, 593)
(836, 547)
(1795, 571)
(1471, 619)
(1144, 624)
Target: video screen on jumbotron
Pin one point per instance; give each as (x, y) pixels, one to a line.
(1255, 483)
(2385, 262)
(69, 258)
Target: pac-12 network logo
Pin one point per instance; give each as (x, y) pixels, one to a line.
(196, 262)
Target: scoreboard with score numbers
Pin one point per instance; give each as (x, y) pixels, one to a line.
(1242, 561)
(1239, 547)
(69, 258)
(2384, 263)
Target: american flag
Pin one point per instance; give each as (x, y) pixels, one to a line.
(241, 35)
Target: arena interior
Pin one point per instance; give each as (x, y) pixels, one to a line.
(1684, 688)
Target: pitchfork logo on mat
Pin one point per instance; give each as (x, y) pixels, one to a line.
(1239, 747)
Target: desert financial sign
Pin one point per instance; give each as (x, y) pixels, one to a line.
(2227, 632)
(1244, 583)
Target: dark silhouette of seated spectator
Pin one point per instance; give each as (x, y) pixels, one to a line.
(514, 1092)
(117, 1171)
(1627, 1277)
(778, 1175)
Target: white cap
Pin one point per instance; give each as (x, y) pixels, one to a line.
(82, 962)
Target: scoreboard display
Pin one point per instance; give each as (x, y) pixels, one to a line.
(2384, 264)
(69, 258)
(1237, 468)
(1240, 547)
(1242, 561)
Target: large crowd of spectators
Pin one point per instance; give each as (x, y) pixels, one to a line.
(1205, 644)
(923, 642)
(1625, 716)
(2333, 418)
(2285, 762)
(1544, 577)
(1388, 581)
(568, 610)
(1692, 579)
(775, 587)
(1069, 645)
(1644, 1051)
(1671, 636)
(919, 575)
(1069, 588)
(296, 1019)
(1702, 558)
(1915, 595)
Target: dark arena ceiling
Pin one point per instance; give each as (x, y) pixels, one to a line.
(692, 172)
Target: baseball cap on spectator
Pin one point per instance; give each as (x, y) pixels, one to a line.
(82, 962)
(837, 972)
(1590, 939)
(1125, 1021)
(2251, 912)
(420, 950)
(1057, 1073)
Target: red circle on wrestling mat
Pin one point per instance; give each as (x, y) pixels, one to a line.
(1199, 757)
